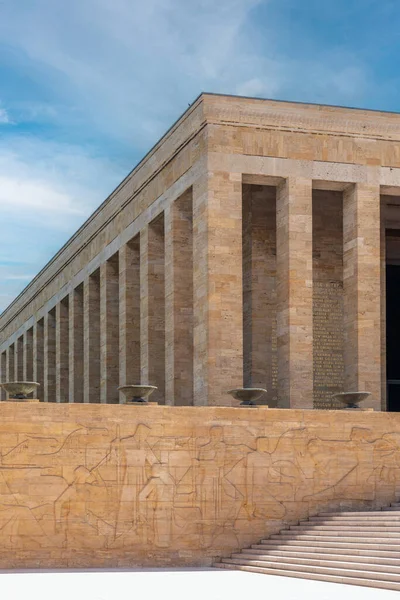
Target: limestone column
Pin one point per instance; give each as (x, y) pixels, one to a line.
(259, 289)
(28, 355)
(62, 351)
(3, 372)
(50, 356)
(91, 340)
(109, 331)
(19, 359)
(129, 312)
(362, 290)
(38, 356)
(144, 305)
(294, 293)
(154, 307)
(76, 360)
(10, 364)
(217, 287)
(179, 301)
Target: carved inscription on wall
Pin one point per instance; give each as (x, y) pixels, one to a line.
(328, 342)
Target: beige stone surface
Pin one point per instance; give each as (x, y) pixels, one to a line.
(49, 357)
(75, 345)
(179, 302)
(260, 366)
(218, 296)
(294, 293)
(91, 339)
(109, 331)
(208, 298)
(129, 313)
(362, 290)
(113, 485)
(28, 355)
(62, 351)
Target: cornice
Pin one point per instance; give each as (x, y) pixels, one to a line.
(301, 117)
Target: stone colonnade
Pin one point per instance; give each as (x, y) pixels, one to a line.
(167, 308)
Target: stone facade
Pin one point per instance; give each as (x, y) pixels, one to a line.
(248, 247)
(106, 485)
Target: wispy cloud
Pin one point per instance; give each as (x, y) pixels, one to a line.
(47, 190)
(132, 67)
(21, 277)
(51, 184)
(4, 117)
(92, 84)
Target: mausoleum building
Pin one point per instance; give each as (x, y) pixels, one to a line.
(257, 244)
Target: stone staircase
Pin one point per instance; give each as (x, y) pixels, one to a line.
(358, 548)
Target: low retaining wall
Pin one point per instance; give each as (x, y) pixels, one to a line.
(111, 485)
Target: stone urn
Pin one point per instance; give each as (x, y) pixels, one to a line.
(18, 391)
(351, 399)
(137, 394)
(247, 396)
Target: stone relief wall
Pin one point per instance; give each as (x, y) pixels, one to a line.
(114, 485)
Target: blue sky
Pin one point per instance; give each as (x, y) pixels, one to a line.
(88, 86)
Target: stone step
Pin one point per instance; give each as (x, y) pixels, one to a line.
(316, 576)
(334, 563)
(392, 530)
(388, 558)
(340, 572)
(354, 514)
(384, 521)
(318, 543)
(351, 535)
(391, 509)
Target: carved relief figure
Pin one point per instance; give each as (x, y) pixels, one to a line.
(159, 492)
(78, 509)
(211, 457)
(264, 488)
(134, 456)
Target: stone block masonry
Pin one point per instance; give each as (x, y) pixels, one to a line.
(248, 247)
(122, 486)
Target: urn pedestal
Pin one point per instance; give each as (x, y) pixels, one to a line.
(247, 396)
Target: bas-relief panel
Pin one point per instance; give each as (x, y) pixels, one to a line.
(166, 492)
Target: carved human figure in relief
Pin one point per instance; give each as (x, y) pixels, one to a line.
(75, 512)
(158, 494)
(211, 457)
(264, 484)
(134, 456)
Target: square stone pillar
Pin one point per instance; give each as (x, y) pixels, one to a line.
(294, 293)
(109, 331)
(144, 306)
(50, 356)
(129, 312)
(38, 356)
(19, 359)
(179, 301)
(75, 346)
(62, 351)
(3, 374)
(10, 364)
(217, 287)
(362, 290)
(28, 355)
(91, 338)
(152, 320)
